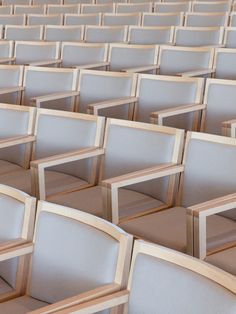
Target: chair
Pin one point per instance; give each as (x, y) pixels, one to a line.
(150, 35)
(218, 6)
(172, 7)
(42, 2)
(16, 19)
(197, 19)
(94, 264)
(159, 280)
(24, 33)
(185, 61)
(110, 19)
(130, 149)
(163, 19)
(16, 2)
(6, 51)
(78, 1)
(133, 7)
(223, 63)
(11, 77)
(64, 33)
(6, 9)
(45, 19)
(230, 37)
(63, 9)
(98, 8)
(36, 53)
(84, 55)
(29, 9)
(133, 58)
(105, 34)
(71, 135)
(83, 19)
(198, 36)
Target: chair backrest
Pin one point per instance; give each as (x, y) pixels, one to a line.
(39, 81)
(97, 86)
(16, 2)
(78, 1)
(131, 146)
(230, 37)
(206, 19)
(24, 32)
(105, 34)
(153, 92)
(6, 49)
(130, 56)
(198, 36)
(121, 19)
(29, 9)
(209, 169)
(33, 51)
(64, 33)
(17, 19)
(224, 61)
(63, 9)
(98, 8)
(98, 254)
(45, 19)
(150, 35)
(77, 54)
(133, 7)
(172, 7)
(218, 6)
(159, 275)
(163, 19)
(42, 2)
(15, 121)
(174, 60)
(59, 132)
(6, 9)
(219, 98)
(232, 20)
(83, 19)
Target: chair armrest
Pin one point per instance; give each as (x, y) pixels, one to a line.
(9, 90)
(78, 299)
(55, 96)
(93, 108)
(142, 68)
(4, 60)
(16, 251)
(158, 116)
(93, 65)
(45, 62)
(110, 186)
(203, 210)
(197, 72)
(13, 141)
(12, 243)
(98, 304)
(229, 128)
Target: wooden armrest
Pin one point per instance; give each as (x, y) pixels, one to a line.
(93, 108)
(13, 141)
(229, 128)
(16, 251)
(92, 66)
(161, 114)
(139, 176)
(78, 299)
(229, 123)
(55, 96)
(67, 157)
(12, 243)
(142, 68)
(45, 62)
(197, 72)
(98, 304)
(4, 60)
(9, 90)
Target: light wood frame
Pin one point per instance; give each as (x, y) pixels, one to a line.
(123, 261)
(114, 15)
(123, 28)
(99, 15)
(40, 27)
(180, 14)
(201, 268)
(208, 15)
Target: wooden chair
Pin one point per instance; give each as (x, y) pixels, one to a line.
(64, 33)
(6, 9)
(29, 9)
(95, 263)
(172, 7)
(71, 135)
(83, 19)
(159, 281)
(24, 33)
(150, 35)
(134, 7)
(45, 19)
(105, 34)
(145, 150)
(63, 9)
(98, 8)
(199, 19)
(218, 6)
(10, 19)
(163, 19)
(110, 19)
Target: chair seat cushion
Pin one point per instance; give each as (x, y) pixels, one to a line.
(168, 228)
(56, 182)
(225, 260)
(4, 287)
(6, 167)
(90, 200)
(21, 305)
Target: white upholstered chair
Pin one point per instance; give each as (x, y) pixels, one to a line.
(224, 61)
(98, 8)
(6, 9)
(230, 37)
(10, 19)
(134, 7)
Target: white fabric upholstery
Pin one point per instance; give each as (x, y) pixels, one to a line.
(23, 32)
(155, 19)
(82, 19)
(224, 65)
(149, 36)
(105, 35)
(63, 33)
(224, 260)
(159, 287)
(199, 37)
(9, 77)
